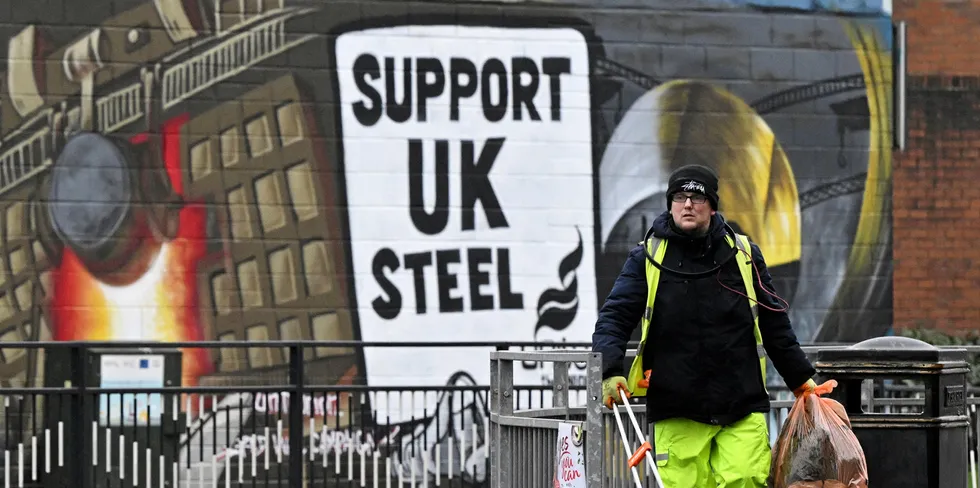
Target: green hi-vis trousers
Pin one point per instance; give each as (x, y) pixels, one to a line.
(695, 455)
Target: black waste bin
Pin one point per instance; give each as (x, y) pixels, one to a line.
(913, 450)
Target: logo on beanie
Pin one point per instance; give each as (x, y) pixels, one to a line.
(693, 186)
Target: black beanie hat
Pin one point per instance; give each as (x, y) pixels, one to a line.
(694, 178)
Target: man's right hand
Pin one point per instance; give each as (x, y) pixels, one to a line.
(610, 391)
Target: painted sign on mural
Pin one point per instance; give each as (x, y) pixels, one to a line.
(465, 165)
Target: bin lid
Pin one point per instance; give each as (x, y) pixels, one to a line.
(891, 348)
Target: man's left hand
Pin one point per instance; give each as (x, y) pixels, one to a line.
(807, 387)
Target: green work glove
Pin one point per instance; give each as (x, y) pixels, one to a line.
(807, 387)
(610, 391)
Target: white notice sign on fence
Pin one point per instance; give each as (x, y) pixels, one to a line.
(131, 371)
(570, 458)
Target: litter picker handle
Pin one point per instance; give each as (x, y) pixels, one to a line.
(640, 453)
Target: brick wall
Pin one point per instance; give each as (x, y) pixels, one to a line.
(936, 193)
(940, 36)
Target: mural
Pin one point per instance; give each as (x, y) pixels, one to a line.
(182, 170)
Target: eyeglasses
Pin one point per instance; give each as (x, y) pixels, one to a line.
(696, 198)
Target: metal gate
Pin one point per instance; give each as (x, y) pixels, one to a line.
(523, 443)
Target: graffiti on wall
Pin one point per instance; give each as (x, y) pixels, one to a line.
(190, 170)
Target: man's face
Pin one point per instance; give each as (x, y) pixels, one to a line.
(691, 211)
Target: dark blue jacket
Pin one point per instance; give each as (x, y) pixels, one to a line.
(701, 344)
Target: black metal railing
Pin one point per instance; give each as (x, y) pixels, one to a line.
(125, 414)
(115, 414)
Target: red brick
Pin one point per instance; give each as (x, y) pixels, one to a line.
(936, 180)
(941, 36)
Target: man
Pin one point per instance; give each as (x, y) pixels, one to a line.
(700, 361)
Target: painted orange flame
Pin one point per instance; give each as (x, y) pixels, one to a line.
(160, 306)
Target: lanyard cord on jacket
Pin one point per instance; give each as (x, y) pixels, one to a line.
(717, 269)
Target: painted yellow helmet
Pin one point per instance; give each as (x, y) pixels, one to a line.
(691, 122)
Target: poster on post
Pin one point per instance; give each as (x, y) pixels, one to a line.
(570, 456)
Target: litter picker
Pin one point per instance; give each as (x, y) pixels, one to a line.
(641, 452)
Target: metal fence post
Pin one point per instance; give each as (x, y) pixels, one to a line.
(81, 426)
(559, 387)
(503, 376)
(296, 458)
(494, 425)
(595, 435)
(494, 401)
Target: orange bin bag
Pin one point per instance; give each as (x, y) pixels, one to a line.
(816, 447)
